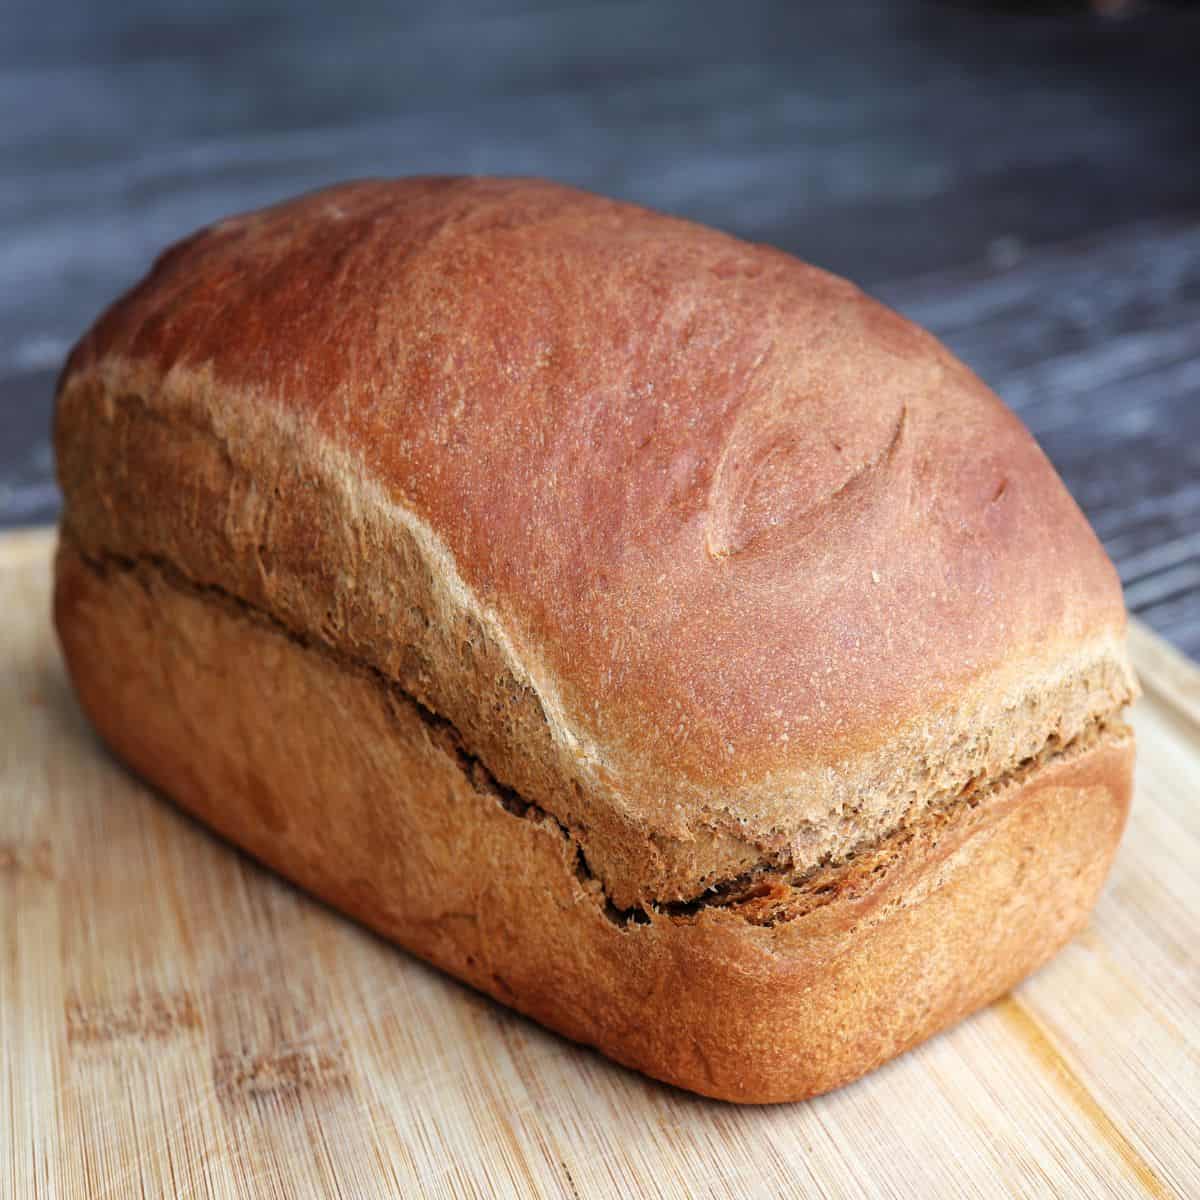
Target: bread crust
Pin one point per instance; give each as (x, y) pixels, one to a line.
(710, 556)
(332, 775)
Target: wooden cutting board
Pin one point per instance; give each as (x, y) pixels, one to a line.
(176, 1021)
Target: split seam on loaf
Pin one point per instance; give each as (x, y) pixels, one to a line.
(348, 562)
(766, 895)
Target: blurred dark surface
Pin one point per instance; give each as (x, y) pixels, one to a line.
(1023, 180)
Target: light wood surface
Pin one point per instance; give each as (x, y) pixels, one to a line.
(176, 1021)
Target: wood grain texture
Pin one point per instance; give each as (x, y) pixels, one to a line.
(174, 1020)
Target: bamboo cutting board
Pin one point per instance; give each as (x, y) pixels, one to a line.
(176, 1021)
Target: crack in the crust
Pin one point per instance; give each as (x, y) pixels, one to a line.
(443, 731)
(767, 894)
(484, 782)
(771, 897)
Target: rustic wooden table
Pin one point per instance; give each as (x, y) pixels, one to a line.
(1025, 180)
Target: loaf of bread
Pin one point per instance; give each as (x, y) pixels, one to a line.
(643, 626)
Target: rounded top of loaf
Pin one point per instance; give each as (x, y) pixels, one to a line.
(735, 515)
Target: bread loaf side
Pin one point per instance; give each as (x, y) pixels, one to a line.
(726, 573)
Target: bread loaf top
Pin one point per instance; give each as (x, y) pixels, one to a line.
(700, 548)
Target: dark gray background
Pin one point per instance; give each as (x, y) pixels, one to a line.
(1022, 179)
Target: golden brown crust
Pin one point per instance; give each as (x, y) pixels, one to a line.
(335, 778)
(715, 558)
